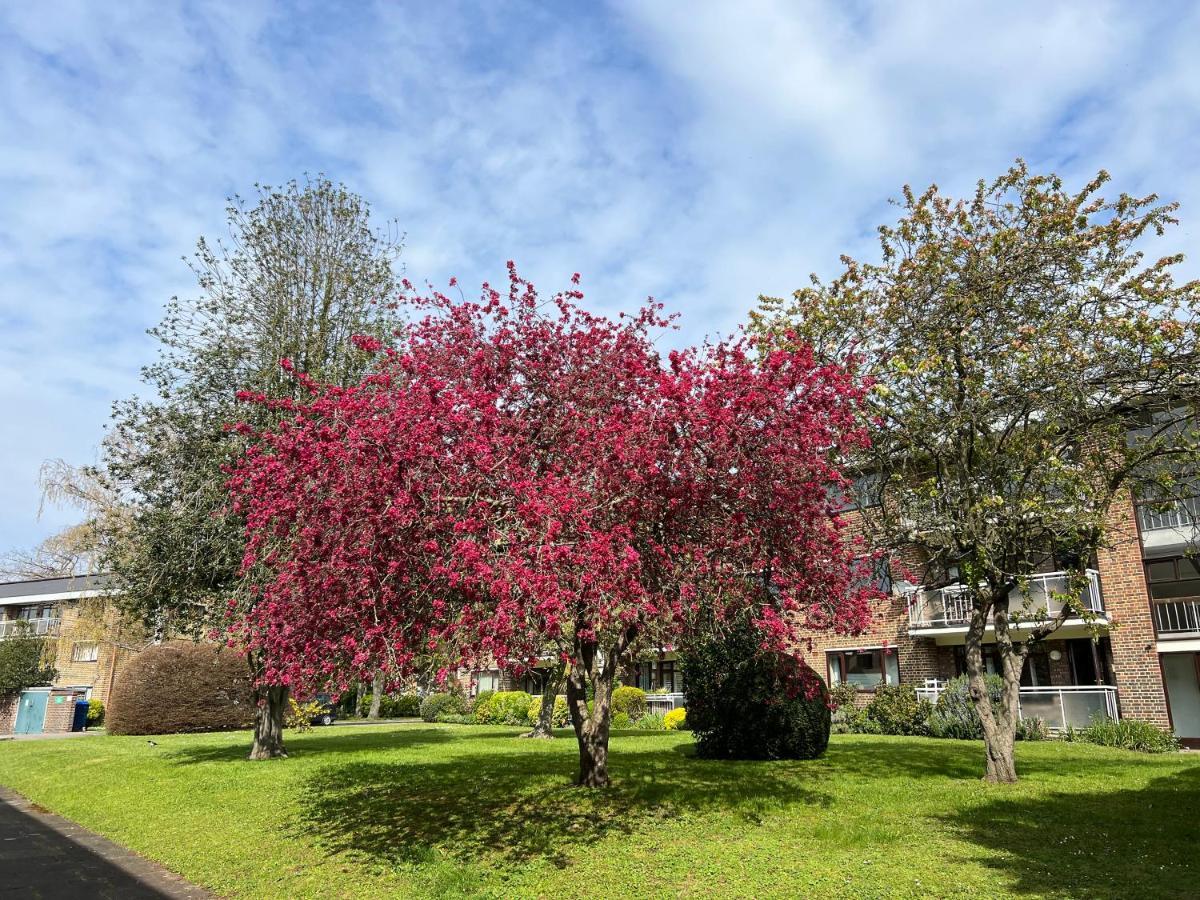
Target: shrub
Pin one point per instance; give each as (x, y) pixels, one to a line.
(503, 708)
(22, 662)
(842, 696)
(482, 699)
(745, 703)
(448, 703)
(955, 715)
(1033, 729)
(898, 710)
(300, 715)
(1127, 734)
(676, 719)
(392, 706)
(651, 722)
(629, 700)
(621, 720)
(182, 687)
(95, 716)
(560, 718)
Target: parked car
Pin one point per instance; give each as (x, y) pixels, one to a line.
(328, 714)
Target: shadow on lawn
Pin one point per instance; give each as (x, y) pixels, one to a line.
(323, 742)
(1130, 843)
(522, 805)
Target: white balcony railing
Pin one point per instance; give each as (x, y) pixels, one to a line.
(949, 607)
(1076, 705)
(663, 703)
(1176, 616)
(40, 627)
(1179, 516)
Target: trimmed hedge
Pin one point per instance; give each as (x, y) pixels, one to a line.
(629, 700)
(182, 687)
(435, 705)
(392, 706)
(503, 708)
(744, 703)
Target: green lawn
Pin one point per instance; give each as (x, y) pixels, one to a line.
(416, 810)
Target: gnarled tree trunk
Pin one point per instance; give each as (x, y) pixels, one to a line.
(591, 729)
(999, 724)
(552, 679)
(268, 722)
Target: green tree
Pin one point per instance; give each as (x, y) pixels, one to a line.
(302, 272)
(1031, 367)
(23, 663)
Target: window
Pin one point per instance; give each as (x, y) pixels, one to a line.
(864, 668)
(1173, 579)
(864, 492)
(875, 573)
(85, 651)
(660, 675)
(486, 680)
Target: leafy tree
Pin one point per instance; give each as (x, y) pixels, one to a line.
(23, 663)
(1030, 368)
(303, 270)
(520, 477)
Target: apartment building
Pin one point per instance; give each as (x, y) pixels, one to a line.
(1140, 658)
(87, 661)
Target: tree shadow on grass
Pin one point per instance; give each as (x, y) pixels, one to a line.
(522, 806)
(323, 742)
(1130, 843)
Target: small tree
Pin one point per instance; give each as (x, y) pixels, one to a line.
(1030, 368)
(520, 477)
(23, 663)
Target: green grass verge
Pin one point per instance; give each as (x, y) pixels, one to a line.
(426, 810)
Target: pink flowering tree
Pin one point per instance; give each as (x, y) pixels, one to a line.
(520, 477)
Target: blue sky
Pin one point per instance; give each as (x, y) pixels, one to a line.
(702, 153)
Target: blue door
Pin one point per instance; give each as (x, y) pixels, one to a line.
(31, 714)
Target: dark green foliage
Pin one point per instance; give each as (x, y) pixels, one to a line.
(22, 664)
(898, 710)
(446, 703)
(747, 704)
(1128, 734)
(182, 687)
(955, 715)
(393, 706)
(629, 700)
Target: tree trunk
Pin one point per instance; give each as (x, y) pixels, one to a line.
(359, 693)
(376, 695)
(999, 724)
(268, 722)
(591, 729)
(552, 679)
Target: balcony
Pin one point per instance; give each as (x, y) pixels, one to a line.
(1059, 706)
(663, 703)
(934, 609)
(1173, 526)
(36, 627)
(1177, 618)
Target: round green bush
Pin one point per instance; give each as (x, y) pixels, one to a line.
(95, 713)
(621, 720)
(745, 703)
(629, 700)
(676, 719)
(449, 703)
(503, 708)
(560, 718)
(898, 710)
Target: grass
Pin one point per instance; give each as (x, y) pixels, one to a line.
(424, 810)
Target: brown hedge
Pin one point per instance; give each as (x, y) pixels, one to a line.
(180, 687)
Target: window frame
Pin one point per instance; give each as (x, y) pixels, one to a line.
(77, 646)
(884, 654)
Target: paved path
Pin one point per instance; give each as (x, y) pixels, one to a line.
(47, 857)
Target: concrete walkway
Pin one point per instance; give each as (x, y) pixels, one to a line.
(47, 857)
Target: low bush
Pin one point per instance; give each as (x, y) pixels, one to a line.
(898, 710)
(503, 708)
(482, 699)
(300, 715)
(746, 703)
(1033, 729)
(621, 720)
(955, 715)
(560, 718)
(629, 700)
(1127, 734)
(676, 719)
(392, 706)
(651, 722)
(95, 716)
(182, 687)
(447, 703)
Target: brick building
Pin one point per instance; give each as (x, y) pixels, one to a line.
(1143, 662)
(74, 614)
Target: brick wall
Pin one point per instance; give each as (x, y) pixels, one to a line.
(101, 673)
(1127, 602)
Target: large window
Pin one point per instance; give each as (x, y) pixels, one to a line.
(865, 669)
(1174, 578)
(486, 680)
(660, 675)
